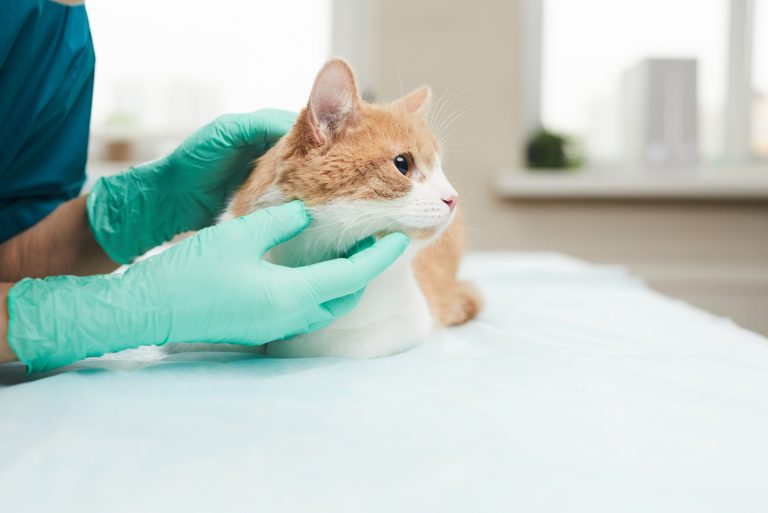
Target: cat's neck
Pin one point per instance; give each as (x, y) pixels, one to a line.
(325, 240)
(335, 230)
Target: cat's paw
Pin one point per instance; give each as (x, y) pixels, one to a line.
(464, 306)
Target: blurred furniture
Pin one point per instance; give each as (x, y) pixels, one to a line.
(660, 115)
(704, 240)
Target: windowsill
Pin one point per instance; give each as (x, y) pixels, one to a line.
(747, 184)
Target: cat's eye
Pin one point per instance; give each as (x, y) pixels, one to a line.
(402, 163)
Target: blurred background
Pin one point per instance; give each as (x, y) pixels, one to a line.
(631, 133)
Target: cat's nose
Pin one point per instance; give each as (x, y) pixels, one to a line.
(451, 201)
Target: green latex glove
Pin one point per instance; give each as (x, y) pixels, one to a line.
(135, 211)
(213, 287)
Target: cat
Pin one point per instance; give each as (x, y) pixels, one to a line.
(363, 169)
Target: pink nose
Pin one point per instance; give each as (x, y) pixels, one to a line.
(451, 201)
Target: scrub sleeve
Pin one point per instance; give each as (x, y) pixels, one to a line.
(46, 86)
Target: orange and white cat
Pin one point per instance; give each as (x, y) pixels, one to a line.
(362, 170)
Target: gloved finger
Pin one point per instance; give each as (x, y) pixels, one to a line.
(325, 318)
(359, 246)
(262, 127)
(328, 312)
(274, 225)
(336, 278)
(344, 304)
(309, 328)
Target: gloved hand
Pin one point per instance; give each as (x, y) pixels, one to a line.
(212, 287)
(135, 211)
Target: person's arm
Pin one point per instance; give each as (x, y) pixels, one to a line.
(6, 355)
(213, 287)
(62, 243)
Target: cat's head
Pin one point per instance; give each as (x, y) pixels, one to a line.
(360, 168)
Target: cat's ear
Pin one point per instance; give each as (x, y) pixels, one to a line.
(334, 98)
(415, 102)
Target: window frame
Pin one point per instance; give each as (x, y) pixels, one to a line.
(738, 80)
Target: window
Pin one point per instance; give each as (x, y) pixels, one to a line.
(165, 68)
(588, 46)
(759, 143)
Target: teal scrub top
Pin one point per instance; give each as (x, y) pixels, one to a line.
(46, 85)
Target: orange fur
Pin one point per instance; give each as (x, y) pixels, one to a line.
(436, 267)
(350, 157)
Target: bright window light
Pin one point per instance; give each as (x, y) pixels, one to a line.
(589, 44)
(760, 81)
(171, 66)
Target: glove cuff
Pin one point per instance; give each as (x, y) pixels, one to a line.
(62, 319)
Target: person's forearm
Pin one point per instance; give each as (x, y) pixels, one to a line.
(6, 354)
(62, 243)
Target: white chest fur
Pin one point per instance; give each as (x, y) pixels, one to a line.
(392, 316)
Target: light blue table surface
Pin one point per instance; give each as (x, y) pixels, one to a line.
(577, 389)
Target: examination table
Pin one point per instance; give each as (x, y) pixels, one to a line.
(577, 390)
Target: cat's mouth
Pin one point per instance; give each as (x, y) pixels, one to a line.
(422, 226)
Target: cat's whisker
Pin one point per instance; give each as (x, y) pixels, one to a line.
(439, 122)
(448, 138)
(451, 119)
(452, 146)
(447, 98)
(445, 112)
